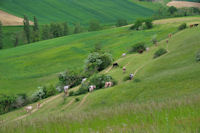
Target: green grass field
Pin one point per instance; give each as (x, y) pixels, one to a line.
(164, 99)
(25, 68)
(106, 11)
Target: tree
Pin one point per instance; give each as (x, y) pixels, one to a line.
(35, 26)
(148, 23)
(27, 29)
(56, 30)
(94, 25)
(65, 29)
(121, 22)
(1, 36)
(137, 24)
(16, 41)
(77, 28)
(172, 10)
(46, 32)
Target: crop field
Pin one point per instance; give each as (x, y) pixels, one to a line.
(163, 97)
(72, 11)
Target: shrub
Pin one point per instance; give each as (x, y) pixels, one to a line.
(121, 22)
(21, 100)
(70, 77)
(160, 52)
(126, 78)
(137, 24)
(154, 40)
(172, 10)
(39, 94)
(77, 99)
(94, 25)
(6, 103)
(71, 93)
(138, 47)
(148, 23)
(198, 56)
(50, 91)
(182, 26)
(97, 61)
(98, 80)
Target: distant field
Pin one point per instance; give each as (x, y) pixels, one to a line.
(9, 19)
(181, 4)
(72, 11)
(164, 98)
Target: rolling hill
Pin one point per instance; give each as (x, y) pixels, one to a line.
(25, 68)
(72, 11)
(164, 97)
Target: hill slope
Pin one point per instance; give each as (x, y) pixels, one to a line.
(77, 10)
(164, 98)
(25, 68)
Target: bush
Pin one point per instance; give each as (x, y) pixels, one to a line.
(137, 24)
(198, 56)
(21, 100)
(148, 23)
(98, 80)
(182, 26)
(121, 22)
(97, 61)
(77, 99)
(6, 103)
(94, 25)
(50, 91)
(160, 52)
(126, 78)
(71, 93)
(70, 77)
(139, 47)
(39, 94)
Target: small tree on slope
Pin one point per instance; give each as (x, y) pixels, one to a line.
(27, 29)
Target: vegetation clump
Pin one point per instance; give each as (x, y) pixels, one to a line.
(182, 26)
(121, 22)
(142, 24)
(198, 56)
(138, 47)
(160, 52)
(98, 80)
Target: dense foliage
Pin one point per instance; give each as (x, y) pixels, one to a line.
(1, 36)
(182, 26)
(121, 22)
(139, 47)
(142, 24)
(198, 56)
(160, 52)
(98, 80)
(97, 61)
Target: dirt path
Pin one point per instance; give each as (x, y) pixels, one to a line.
(10, 20)
(83, 101)
(68, 104)
(181, 4)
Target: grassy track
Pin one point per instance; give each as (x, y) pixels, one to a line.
(107, 11)
(164, 99)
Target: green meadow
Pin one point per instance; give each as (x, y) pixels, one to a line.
(106, 11)
(25, 68)
(163, 97)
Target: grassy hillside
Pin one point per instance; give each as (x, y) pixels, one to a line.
(25, 68)
(83, 11)
(164, 98)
